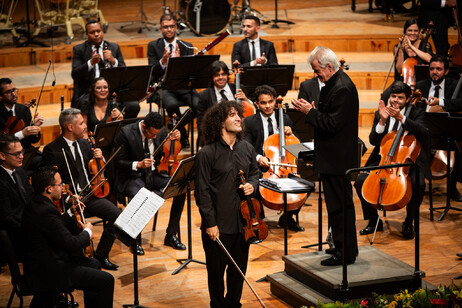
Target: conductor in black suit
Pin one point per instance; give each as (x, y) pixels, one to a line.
(159, 52)
(252, 50)
(90, 57)
(136, 166)
(78, 153)
(335, 122)
(54, 260)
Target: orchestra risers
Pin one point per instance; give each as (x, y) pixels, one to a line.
(50, 94)
(304, 281)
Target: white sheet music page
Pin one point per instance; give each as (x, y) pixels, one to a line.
(139, 212)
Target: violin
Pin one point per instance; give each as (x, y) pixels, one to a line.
(15, 124)
(99, 185)
(390, 189)
(113, 103)
(282, 164)
(87, 251)
(249, 108)
(169, 162)
(255, 229)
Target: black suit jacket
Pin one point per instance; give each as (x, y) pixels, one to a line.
(309, 90)
(335, 123)
(415, 125)
(207, 99)
(253, 130)
(130, 139)
(51, 247)
(23, 113)
(241, 52)
(53, 156)
(12, 201)
(449, 87)
(82, 77)
(156, 51)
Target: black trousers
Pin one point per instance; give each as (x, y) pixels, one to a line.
(339, 194)
(217, 261)
(172, 100)
(134, 184)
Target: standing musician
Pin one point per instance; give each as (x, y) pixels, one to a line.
(78, 154)
(252, 50)
(136, 166)
(90, 57)
(15, 190)
(219, 90)
(159, 52)
(386, 120)
(218, 195)
(310, 89)
(410, 45)
(98, 106)
(335, 122)
(9, 107)
(54, 260)
(259, 127)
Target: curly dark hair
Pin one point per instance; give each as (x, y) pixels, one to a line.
(264, 89)
(91, 97)
(215, 117)
(153, 119)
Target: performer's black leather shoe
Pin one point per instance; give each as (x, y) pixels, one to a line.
(370, 228)
(459, 254)
(331, 251)
(336, 260)
(455, 195)
(62, 302)
(107, 264)
(139, 250)
(173, 241)
(408, 231)
(293, 225)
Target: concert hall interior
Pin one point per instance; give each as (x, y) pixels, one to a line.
(364, 39)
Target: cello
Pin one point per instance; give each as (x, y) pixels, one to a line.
(281, 164)
(169, 162)
(390, 189)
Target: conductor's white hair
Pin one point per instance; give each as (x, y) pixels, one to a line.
(324, 56)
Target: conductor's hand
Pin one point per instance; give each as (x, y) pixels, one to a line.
(262, 60)
(95, 58)
(176, 135)
(247, 188)
(87, 225)
(145, 163)
(263, 162)
(213, 233)
(302, 105)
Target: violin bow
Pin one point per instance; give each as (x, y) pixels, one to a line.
(40, 94)
(73, 185)
(239, 270)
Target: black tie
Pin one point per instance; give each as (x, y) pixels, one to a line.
(148, 176)
(170, 47)
(252, 56)
(270, 127)
(223, 96)
(78, 164)
(10, 113)
(21, 189)
(437, 91)
(395, 126)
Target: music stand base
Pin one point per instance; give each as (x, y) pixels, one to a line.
(446, 210)
(275, 23)
(317, 244)
(184, 263)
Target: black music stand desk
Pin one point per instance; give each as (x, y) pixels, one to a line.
(279, 77)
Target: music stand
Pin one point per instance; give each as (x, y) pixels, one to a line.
(106, 132)
(130, 83)
(189, 73)
(182, 182)
(444, 130)
(276, 20)
(280, 77)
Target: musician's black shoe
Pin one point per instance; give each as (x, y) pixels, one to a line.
(455, 195)
(62, 302)
(106, 263)
(371, 227)
(331, 251)
(173, 241)
(139, 250)
(336, 260)
(408, 231)
(459, 254)
(293, 225)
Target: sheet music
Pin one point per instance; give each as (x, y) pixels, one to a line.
(285, 184)
(139, 212)
(309, 145)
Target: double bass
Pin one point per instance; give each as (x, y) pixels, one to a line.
(390, 189)
(282, 164)
(249, 108)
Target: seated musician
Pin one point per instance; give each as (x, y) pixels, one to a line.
(54, 259)
(98, 106)
(136, 166)
(438, 91)
(28, 134)
(73, 168)
(15, 190)
(259, 127)
(387, 119)
(219, 90)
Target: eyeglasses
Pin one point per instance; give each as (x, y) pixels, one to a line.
(9, 92)
(16, 154)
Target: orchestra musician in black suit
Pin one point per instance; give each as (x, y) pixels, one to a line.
(78, 154)
(243, 50)
(335, 122)
(159, 52)
(136, 166)
(15, 190)
(259, 127)
(54, 260)
(310, 89)
(9, 107)
(90, 57)
(384, 122)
